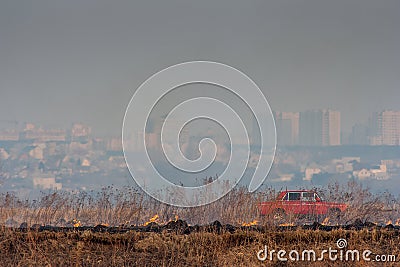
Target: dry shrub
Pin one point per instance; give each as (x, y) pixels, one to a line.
(128, 205)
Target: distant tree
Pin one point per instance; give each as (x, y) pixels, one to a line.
(41, 166)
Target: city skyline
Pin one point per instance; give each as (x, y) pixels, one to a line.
(316, 127)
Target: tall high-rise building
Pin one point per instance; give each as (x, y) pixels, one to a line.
(391, 127)
(385, 128)
(319, 128)
(287, 128)
(331, 125)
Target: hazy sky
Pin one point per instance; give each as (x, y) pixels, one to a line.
(66, 61)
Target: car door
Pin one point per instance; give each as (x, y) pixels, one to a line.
(293, 204)
(308, 203)
(320, 205)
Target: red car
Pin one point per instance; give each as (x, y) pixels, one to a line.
(300, 202)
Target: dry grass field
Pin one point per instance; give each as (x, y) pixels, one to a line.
(28, 239)
(197, 249)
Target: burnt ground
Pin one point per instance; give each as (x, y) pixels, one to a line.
(182, 227)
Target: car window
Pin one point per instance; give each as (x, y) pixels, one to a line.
(318, 197)
(307, 196)
(285, 197)
(294, 196)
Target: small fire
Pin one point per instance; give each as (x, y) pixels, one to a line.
(389, 222)
(326, 221)
(397, 222)
(152, 219)
(176, 217)
(76, 223)
(286, 224)
(255, 222)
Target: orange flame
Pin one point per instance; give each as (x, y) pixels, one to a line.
(389, 222)
(397, 222)
(255, 222)
(76, 223)
(152, 219)
(176, 217)
(326, 221)
(286, 224)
